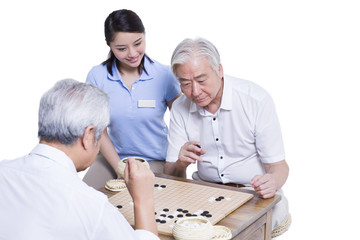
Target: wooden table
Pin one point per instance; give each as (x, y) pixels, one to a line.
(250, 221)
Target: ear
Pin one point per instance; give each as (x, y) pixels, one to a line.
(88, 139)
(221, 71)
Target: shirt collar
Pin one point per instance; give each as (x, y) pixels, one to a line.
(226, 99)
(143, 77)
(54, 154)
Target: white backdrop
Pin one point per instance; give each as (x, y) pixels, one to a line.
(305, 53)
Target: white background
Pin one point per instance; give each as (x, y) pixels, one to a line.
(305, 53)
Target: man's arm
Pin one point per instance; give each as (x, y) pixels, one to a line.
(140, 182)
(175, 169)
(276, 175)
(189, 153)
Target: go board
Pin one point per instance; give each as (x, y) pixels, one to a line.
(176, 199)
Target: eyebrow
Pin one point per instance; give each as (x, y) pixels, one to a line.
(196, 77)
(138, 40)
(123, 45)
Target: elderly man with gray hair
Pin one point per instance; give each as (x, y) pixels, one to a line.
(42, 196)
(228, 126)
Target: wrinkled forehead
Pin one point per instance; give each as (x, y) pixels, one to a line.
(193, 68)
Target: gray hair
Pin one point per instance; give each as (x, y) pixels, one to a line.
(198, 47)
(68, 108)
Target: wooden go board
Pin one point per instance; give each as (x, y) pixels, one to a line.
(176, 199)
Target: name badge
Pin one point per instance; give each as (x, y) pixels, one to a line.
(146, 103)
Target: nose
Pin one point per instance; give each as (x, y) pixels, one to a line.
(195, 89)
(131, 52)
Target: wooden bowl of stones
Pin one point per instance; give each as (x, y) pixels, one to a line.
(193, 228)
(122, 164)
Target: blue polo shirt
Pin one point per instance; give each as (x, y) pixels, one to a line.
(137, 126)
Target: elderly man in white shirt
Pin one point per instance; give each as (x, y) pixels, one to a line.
(228, 126)
(42, 196)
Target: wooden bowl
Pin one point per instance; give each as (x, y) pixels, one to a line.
(122, 164)
(193, 228)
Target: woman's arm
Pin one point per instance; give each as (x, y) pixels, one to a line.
(169, 103)
(108, 151)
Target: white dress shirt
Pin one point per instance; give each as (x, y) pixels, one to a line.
(42, 197)
(242, 135)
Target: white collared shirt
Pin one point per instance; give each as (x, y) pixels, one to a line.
(42, 197)
(242, 135)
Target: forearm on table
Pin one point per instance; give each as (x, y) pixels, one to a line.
(144, 216)
(175, 169)
(280, 171)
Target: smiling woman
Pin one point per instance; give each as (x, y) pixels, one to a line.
(140, 90)
(125, 35)
(129, 50)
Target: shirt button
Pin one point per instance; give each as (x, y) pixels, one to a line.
(214, 119)
(217, 139)
(222, 175)
(221, 157)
